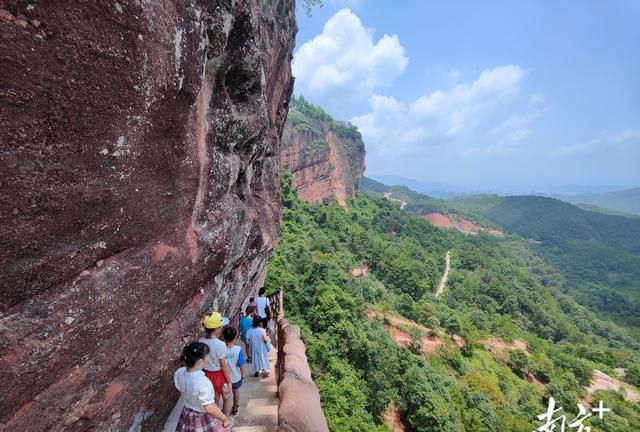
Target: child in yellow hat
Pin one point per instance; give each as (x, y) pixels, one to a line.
(216, 367)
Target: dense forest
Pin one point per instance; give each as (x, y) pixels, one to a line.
(500, 293)
(597, 255)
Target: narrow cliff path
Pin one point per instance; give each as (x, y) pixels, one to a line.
(445, 275)
(258, 410)
(258, 401)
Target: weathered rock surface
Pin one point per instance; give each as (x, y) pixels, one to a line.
(325, 156)
(140, 174)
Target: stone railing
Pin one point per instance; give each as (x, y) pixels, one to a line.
(299, 409)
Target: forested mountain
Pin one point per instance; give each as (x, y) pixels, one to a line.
(598, 255)
(484, 355)
(626, 201)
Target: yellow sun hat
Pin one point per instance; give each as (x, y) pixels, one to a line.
(214, 320)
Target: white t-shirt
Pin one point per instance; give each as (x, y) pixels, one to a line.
(262, 303)
(195, 387)
(235, 359)
(217, 351)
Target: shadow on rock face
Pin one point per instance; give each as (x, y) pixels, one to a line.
(140, 148)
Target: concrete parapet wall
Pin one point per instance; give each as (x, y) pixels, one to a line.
(299, 409)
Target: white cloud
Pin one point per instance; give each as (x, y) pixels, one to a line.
(517, 121)
(440, 116)
(569, 150)
(606, 140)
(536, 98)
(344, 56)
(628, 135)
(512, 131)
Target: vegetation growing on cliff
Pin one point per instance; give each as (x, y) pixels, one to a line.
(307, 116)
(317, 147)
(497, 289)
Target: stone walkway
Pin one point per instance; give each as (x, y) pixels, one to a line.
(258, 410)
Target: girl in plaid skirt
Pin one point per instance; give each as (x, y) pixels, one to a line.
(200, 412)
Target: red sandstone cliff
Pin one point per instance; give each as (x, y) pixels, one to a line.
(140, 187)
(325, 156)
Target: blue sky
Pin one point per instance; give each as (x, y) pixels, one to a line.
(482, 94)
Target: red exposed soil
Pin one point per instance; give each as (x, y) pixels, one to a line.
(534, 380)
(393, 319)
(359, 271)
(458, 340)
(585, 403)
(430, 344)
(393, 420)
(602, 381)
(438, 219)
(500, 349)
(401, 337)
(456, 222)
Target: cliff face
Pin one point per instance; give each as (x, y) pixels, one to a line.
(325, 157)
(140, 178)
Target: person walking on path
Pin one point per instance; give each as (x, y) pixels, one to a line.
(235, 360)
(200, 412)
(246, 322)
(216, 367)
(264, 307)
(257, 338)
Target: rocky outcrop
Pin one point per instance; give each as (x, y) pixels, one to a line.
(325, 156)
(140, 176)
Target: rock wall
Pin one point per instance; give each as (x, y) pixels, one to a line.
(325, 157)
(140, 175)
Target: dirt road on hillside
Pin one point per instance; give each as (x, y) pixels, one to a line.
(387, 195)
(445, 275)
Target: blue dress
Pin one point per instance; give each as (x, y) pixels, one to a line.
(259, 355)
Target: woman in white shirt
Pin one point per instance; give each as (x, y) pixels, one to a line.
(200, 412)
(264, 307)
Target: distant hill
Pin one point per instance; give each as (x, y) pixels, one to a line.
(597, 209)
(598, 253)
(626, 201)
(436, 190)
(418, 203)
